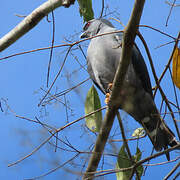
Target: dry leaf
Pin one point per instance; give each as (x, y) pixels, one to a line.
(176, 67)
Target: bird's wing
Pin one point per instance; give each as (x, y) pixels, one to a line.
(91, 73)
(136, 97)
(138, 65)
(112, 44)
(141, 70)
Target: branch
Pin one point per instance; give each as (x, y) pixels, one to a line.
(126, 146)
(169, 61)
(172, 6)
(127, 44)
(110, 171)
(31, 21)
(53, 134)
(58, 46)
(158, 83)
(172, 171)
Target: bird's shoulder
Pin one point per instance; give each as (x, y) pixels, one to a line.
(111, 34)
(107, 40)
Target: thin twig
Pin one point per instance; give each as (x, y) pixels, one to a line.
(55, 169)
(102, 9)
(126, 146)
(175, 93)
(30, 154)
(169, 62)
(52, 135)
(162, 163)
(51, 51)
(73, 122)
(172, 171)
(158, 83)
(82, 51)
(175, 5)
(158, 31)
(130, 139)
(118, 21)
(62, 93)
(127, 44)
(67, 117)
(164, 44)
(110, 171)
(58, 46)
(170, 12)
(53, 97)
(56, 76)
(31, 21)
(22, 117)
(176, 176)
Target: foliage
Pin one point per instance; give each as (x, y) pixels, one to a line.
(94, 121)
(176, 67)
(123, 161)
(138, 132)
(85, 9)
(59, 121)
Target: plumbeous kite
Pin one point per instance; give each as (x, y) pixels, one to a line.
(103, 56)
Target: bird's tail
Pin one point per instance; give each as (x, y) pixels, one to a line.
(159, 133)
(143, 110)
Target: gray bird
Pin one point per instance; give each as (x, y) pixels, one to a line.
(136, 98)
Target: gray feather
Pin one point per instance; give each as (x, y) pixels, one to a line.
(103, 56)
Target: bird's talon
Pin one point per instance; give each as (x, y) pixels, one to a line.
(107, 98)
(110, 86)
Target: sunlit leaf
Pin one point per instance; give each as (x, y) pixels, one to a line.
(136, 158)
(140, 170)
(138, 132)
(123, 162)
(85, 9)
(176, 67)
(93, 122)
(138, 154)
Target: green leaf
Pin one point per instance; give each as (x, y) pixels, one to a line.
(123, 162)
(138, 155)
(136, 158)
(140, 170)
(93, 122)
(85, 9)
(138, 132)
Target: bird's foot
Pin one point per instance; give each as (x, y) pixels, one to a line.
(108, 95)
(110, 87)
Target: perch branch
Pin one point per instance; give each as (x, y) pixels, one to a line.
(127, 44)
(31, 21)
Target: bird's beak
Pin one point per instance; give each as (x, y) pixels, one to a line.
(84, 35)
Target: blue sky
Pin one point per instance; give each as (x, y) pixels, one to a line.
(22, 77)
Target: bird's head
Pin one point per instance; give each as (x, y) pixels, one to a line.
(92, 27)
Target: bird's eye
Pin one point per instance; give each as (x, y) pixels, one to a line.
(86, 26)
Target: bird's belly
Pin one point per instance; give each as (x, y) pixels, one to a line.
(125, 99)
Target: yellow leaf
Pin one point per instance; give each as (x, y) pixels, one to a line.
(138, 132)
(176, 67)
